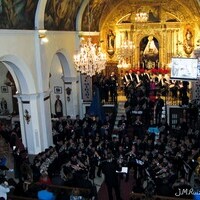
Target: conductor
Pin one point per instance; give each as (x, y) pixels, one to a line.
(109, 168)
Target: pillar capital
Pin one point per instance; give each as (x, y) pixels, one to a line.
(70, 80)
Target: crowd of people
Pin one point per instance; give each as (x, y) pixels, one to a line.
(159, 157)
(79, 154)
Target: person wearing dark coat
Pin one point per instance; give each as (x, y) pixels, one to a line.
(109, 168)
(159, 104)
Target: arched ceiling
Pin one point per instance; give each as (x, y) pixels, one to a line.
(62, 14)
(177, 10)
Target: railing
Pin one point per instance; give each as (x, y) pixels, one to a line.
(57, 190)
(140, 196)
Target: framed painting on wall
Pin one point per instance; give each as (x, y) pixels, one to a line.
(57, 90)
(4, 89)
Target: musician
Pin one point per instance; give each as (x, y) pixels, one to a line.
(77, 125)
(109, 168)
(87, 121)
(106, 125)
(128, 108)
(138, 127)
(162, 85)
(146, 82)
(164, 126)
(173, 86)
(68, 124)
(104, 88)
(127, 80)
(94, 157)
(76, 166)
(183, 88)
(122, 126)
(96, 125)
(159, 104)
(113, 86)
(132, 157)
(114, 144)
(83, 158)
(138, 79)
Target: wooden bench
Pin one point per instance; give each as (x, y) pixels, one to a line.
(140, 196)
(59, 191)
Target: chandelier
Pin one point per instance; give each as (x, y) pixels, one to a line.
(141, 17)
(124, 54)
(90, 60)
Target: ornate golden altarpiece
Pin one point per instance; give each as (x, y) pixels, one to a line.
(168, 23)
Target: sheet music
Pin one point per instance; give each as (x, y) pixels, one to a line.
(124, 170)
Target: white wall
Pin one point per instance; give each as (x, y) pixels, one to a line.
(31, 63)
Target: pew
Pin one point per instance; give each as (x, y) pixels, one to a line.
(140, 196)
(59, 191)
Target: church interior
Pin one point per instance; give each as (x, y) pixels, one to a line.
(93, 71)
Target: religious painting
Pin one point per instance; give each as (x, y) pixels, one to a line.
(4, 89)
(61, 15)
(149, 53)
(57, 90)
(188, 43)
(17, 14)
(153, 13)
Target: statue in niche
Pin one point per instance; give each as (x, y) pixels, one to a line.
(188, 42)
(4, 106)
(149, 53)
(150, 48)
(110, 42)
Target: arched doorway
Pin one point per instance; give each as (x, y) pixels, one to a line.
(65, 84)
(56, 85)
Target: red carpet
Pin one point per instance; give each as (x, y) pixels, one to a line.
(125, 189)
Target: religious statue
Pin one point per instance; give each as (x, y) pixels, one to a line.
(58, 107)
(150, 48)
(149, 53)
(110, 42)
(4, 105)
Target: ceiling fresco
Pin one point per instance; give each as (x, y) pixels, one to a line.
(61, 14)
(92, 15)
(17, 14)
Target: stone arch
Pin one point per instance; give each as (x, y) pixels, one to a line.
(39, 15)
(80, 15)
(24, 84)
(61, 75)
(63, 57)
(21, 75)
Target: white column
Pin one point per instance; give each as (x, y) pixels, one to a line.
(35, 121)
